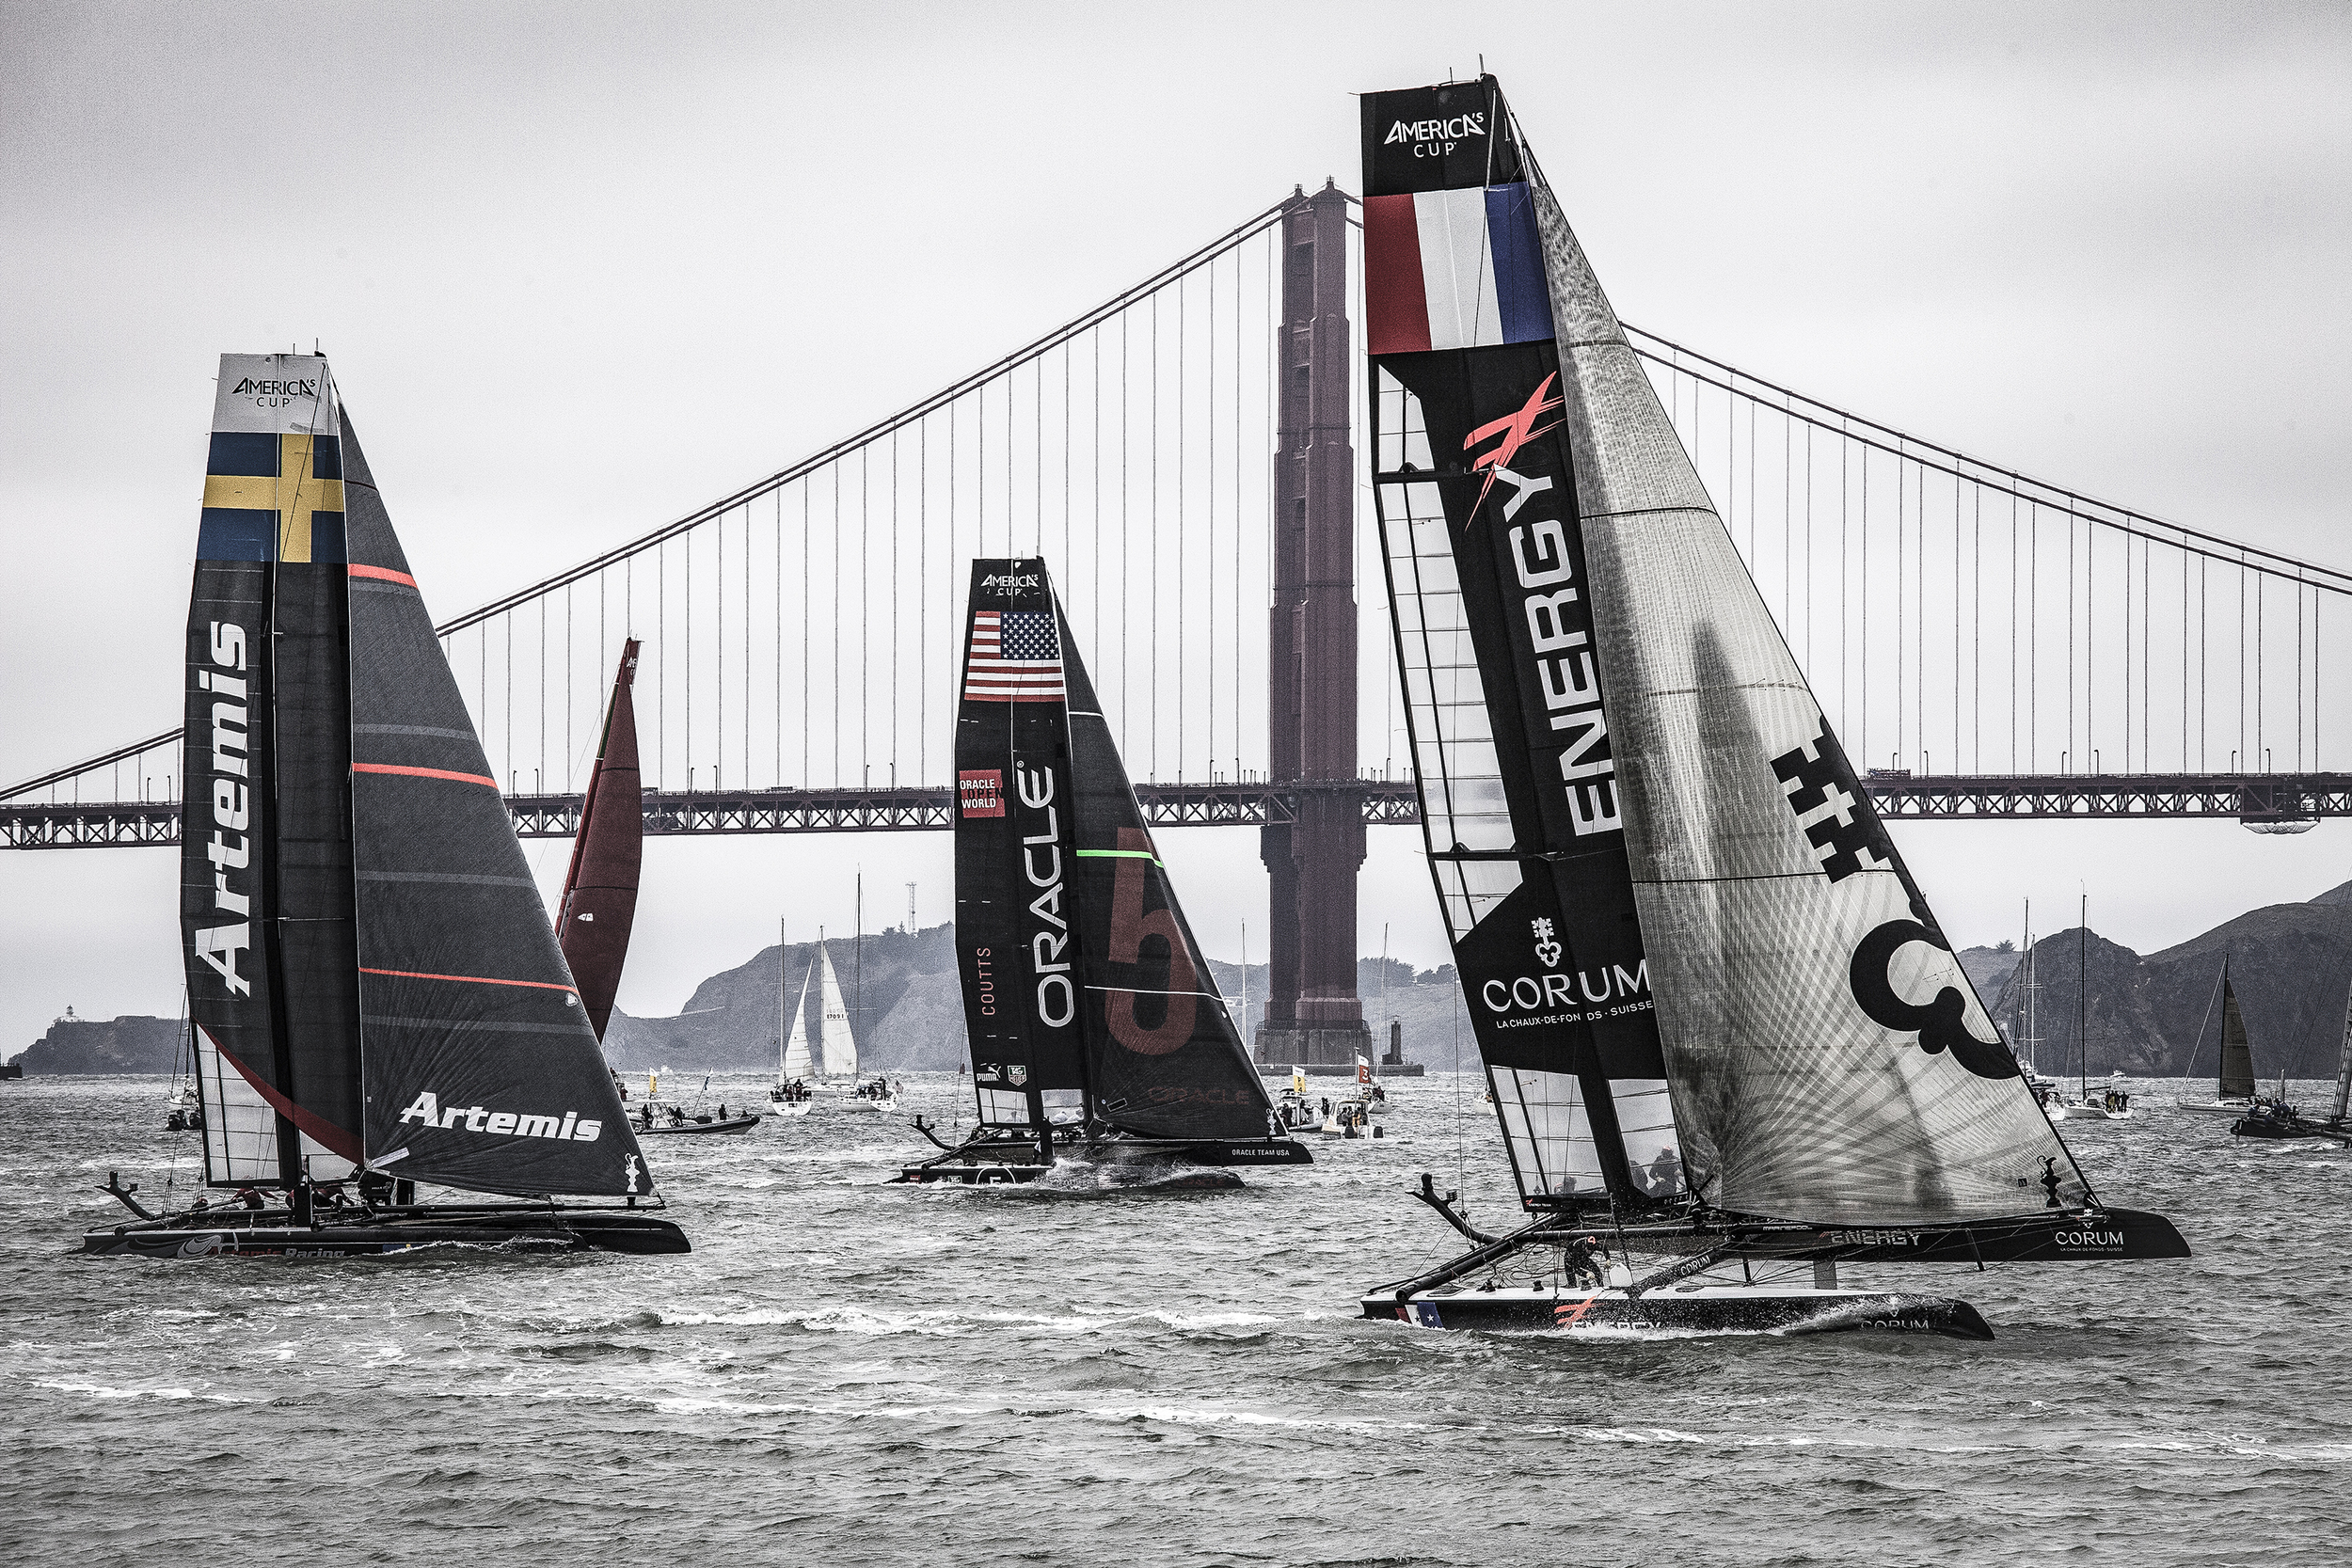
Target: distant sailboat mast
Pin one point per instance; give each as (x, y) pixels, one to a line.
(2082, 1002)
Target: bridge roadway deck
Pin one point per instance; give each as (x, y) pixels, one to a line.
(2252, 798)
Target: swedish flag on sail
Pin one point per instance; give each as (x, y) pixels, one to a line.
(273, 483)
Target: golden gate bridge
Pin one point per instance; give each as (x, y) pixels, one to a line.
(1990, 644)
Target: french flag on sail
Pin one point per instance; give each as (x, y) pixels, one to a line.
(1454, 269)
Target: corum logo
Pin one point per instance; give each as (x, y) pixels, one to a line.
(1453, 130)
(250, 386)
(427, 1111)
(1942, 1024)
(1547, 950)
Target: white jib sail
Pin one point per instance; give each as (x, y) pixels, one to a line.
(794, 1061)
(833, 1037)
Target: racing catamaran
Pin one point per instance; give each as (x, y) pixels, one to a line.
(1096, 1031)
(1719, 1022)
(378, 999)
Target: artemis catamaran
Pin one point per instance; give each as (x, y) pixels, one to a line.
(1095, 1028)
(377, 997)
(1719, 1022)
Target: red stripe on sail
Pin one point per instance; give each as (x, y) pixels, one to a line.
(383, 572)
(469, 979)
(321, 1132)
(1396, 299)
(424, 774)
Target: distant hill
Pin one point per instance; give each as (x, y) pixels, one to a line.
(2291, 965)
(912, 1015)
(84, 1045)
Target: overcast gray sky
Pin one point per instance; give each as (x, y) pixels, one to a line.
(584, 267)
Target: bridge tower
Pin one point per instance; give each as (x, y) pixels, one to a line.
(1313, 1015)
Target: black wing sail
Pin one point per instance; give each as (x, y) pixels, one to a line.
(265, 860)
(1015, 950)
(1163, 1055)
(482, 1069)
(1494, 625)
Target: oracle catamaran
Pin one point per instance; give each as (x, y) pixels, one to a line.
(377, 997)
(1720, 1024)
(1096, 1031)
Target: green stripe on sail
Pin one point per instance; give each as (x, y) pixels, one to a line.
(1122, 854)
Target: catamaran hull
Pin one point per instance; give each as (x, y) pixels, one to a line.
(276, 1237)
(1716, 1309)
(985, 1165)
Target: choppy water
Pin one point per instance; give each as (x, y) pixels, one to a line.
(849, 1373)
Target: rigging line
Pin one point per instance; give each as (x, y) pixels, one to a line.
(1910, 444)
(1181, 562)
(719, 650)
(1209, 550)
(895, 579)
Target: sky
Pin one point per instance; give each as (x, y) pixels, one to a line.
(588, 267)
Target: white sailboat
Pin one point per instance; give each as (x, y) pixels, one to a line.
(791, 1096)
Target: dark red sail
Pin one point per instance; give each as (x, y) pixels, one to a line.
(601, 890)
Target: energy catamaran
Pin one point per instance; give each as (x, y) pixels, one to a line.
(378, 999)
(1096, 1031)
(1719, 1022)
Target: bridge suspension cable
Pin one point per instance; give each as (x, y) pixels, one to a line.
(1958, 619)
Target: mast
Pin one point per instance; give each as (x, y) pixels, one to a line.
(599, 901)
(857, 965)
(2082, 1002)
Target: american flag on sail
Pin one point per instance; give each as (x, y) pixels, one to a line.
(1015, 658)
